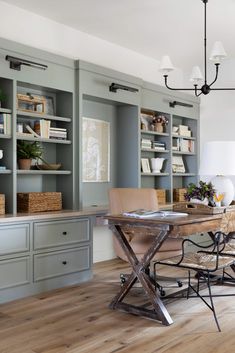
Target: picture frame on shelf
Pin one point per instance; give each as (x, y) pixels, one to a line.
(145, 166)
(178, 164)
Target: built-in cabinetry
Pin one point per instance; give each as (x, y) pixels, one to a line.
(42, 252)
(48, 251)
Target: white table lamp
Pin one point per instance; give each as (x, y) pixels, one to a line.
(218, 158)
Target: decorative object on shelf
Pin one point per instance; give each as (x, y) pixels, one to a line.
(3, 97)
(218, 53)
(39, 201)
(145, 165)
(178, 164)
(48, 166)
(15, 63)
(159, 122)
(2, 204)
(96, 150)
(178, 194)
(26, 151)
(203, 193)
(156, 164)
(161, 196)
(30, 103)
(218, 159)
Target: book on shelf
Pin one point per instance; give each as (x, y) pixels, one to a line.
(32, 132)
(5, 123)
(142, 213)
(58, 133)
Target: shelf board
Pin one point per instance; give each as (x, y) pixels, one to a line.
(34, 115)
(42, 139)
(185, 153)
(154, 174)
(5, 136)
(184, 137)
(184, 174)
(5, 171)
(45, 172)
(5, 110)
(154, 150)
(154, 133)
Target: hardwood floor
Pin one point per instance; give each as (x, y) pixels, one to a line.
(77, 320)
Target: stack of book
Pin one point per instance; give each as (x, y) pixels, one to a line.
(146, 143)
(5, 123)
(183, 145)
(158, 145)
(58, 133)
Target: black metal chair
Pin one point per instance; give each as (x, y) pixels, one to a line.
(205, 262)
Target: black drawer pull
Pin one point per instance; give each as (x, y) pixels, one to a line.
(64, 233)
(64, 262)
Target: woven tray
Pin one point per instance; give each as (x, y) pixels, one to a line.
(197, 208)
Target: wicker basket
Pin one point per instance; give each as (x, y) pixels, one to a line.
(161, 196)
(2, 204)
(178, 195)
(39, 201)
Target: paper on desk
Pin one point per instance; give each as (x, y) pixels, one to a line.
(141, 213)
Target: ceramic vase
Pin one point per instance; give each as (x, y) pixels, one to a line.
(156, 164)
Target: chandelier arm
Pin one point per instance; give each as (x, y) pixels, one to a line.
(223, 89)
(196, 90)
(177, 89)
(216, 74)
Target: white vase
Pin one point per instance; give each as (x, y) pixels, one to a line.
(156, 164)
(205, 201)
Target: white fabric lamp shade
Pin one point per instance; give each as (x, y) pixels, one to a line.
(166, 65)
(218, 53)
(196, 75)
(218, 159)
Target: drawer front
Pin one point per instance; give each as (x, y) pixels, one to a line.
(59, 233)
(60, 263)
(14, 272)
(14, 239)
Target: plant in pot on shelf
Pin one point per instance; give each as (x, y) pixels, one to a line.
(203, 193)
(3, 97)
(159, 123)
(26, 151)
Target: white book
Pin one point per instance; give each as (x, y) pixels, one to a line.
(32, 131)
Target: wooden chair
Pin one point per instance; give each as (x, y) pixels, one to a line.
(129, 199)
(207, 260)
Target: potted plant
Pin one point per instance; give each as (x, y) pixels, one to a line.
(26, 151)
(3, 97)
(159, 122)
(203, 193)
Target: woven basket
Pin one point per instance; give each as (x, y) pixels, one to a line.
(39, 201)
(178, 194)
(161, 196)
(2, 204)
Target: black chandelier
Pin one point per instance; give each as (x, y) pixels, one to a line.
(218, 53)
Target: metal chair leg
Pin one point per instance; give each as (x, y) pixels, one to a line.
(212, 304)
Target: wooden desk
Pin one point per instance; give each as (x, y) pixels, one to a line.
(165, 227)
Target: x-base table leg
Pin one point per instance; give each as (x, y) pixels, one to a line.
(159, 313)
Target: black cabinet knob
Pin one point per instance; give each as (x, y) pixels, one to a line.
(64, 262)
(64, 233)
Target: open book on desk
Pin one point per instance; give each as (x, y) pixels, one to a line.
(141, 213)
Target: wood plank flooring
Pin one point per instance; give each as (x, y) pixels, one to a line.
(77, 320)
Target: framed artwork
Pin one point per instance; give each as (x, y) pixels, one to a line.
(145, 165)
(95, 150)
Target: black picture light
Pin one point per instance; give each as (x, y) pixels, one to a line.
(15, 63)
(115, 86)
(174, 103)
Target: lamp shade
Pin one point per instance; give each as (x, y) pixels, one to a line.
(218, 53)
(166, 65)
(218, 158)
(196, 75)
